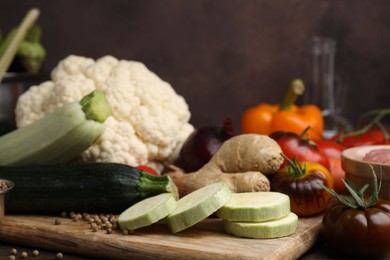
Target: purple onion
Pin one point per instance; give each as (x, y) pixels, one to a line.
(202, 144)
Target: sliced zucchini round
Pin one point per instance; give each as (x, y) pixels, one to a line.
(269, 229)
(255, 206)
(147, 211)
(198, 205)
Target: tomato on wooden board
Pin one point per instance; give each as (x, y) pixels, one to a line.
(300, 181)
(147, 169)
(358, 227)
(294, 145)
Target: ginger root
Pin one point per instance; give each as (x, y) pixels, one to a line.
(243, 162)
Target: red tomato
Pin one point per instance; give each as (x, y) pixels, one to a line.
(338, 175)
(293, 145)
(147, 169)
(330, 148)
(307, 197)
(358, 232)
(333, 151)
(372, 137)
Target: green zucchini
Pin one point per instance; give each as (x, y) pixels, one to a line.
(58, 137)
(82, 187)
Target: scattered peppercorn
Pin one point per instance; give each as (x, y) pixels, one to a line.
(113, 217)
(108, 225)
(97, 222)
(13, 251)
(57, 221)
(115, 226)
(23, 254)
(59, 256)
(94, 227)
(11, 257)
(85, 216)
(35, 253)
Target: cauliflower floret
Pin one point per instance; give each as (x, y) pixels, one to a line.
(119, 141)
(101, 70)
(33, 104)
(70, 66)
(149, 121)
(68, 89)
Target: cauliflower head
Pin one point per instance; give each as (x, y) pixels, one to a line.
(149, 121)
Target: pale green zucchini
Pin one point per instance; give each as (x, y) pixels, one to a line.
(59, 136)
(198, 205)
(269, 229)
(147, 211)
(255, 206)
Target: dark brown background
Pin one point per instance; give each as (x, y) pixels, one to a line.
(224, 55)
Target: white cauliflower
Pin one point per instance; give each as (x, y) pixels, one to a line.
(149, 121)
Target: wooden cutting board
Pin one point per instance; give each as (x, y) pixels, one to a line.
(206, 240)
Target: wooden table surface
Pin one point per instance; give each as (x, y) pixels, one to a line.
(26, 233)
(152, 242)
(319, 251)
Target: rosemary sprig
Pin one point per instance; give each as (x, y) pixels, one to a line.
(358, 200)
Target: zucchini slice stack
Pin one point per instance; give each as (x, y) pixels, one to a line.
(258, 215)
(251, 214)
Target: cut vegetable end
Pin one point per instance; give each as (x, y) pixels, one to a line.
(151, 185)
(147, 211)
(255, 206)
(197, 206)
(269, 229)
(95, 106)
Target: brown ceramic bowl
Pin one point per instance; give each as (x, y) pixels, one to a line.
(3, 191)
(359, 171)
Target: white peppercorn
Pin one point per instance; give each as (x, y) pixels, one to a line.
(23, 254)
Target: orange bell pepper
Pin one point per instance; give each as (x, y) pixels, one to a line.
(288, 117)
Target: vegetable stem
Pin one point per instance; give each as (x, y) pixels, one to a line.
(12, 48)
(150, 185)
(358, 200)
(296, 168)
(380, 113)
(296, 89)
(95, 106)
